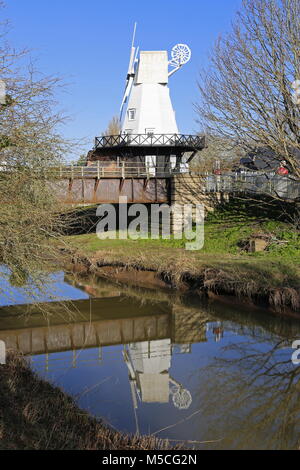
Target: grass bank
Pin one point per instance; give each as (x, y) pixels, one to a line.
(223, 266)
(36, 415)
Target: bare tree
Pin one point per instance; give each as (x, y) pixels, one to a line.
(29, 145)
(114, 127)
(219, 153)
(247, 93)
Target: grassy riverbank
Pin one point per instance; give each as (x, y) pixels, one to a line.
(36, 415)
(223, 266)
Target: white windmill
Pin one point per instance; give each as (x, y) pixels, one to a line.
(147, 95)
(149, 111)
(149, 142)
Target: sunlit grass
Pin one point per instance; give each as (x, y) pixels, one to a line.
(220, 238)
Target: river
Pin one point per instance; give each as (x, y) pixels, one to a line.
(215, 375)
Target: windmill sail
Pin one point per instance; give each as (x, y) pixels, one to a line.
(130, 73)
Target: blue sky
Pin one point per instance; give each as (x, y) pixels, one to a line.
(88, 42)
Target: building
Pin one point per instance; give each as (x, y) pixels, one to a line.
(149, 142)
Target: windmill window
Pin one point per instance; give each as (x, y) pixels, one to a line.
(131, 114)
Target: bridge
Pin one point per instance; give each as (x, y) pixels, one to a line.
(154, 168)
(102, 183)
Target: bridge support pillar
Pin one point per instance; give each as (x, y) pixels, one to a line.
(186, 188)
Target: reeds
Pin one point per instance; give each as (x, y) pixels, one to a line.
(36, 415)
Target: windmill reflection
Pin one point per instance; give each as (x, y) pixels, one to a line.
(148, 365)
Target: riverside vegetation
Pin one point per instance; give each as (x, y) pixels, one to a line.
(36, 415)
(224, 265)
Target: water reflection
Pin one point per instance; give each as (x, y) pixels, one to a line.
(151, 363)
(51, 288)
(148, 365)
(260, 390)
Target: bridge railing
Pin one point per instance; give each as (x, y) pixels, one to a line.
(254, 183)
(122, 170)
(100, 169)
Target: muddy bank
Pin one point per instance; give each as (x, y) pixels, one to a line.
(204, 281)
(36, 415)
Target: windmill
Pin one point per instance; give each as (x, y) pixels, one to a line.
(149, 142)
(149, 108)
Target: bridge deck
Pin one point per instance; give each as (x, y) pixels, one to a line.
(102, 183)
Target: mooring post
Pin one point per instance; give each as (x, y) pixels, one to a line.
(98, 169)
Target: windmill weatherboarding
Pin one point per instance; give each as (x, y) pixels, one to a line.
(149, 108)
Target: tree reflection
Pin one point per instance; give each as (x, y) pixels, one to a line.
(253, 393)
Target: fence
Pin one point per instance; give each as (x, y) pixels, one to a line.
(270, 184)
(118, 170)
